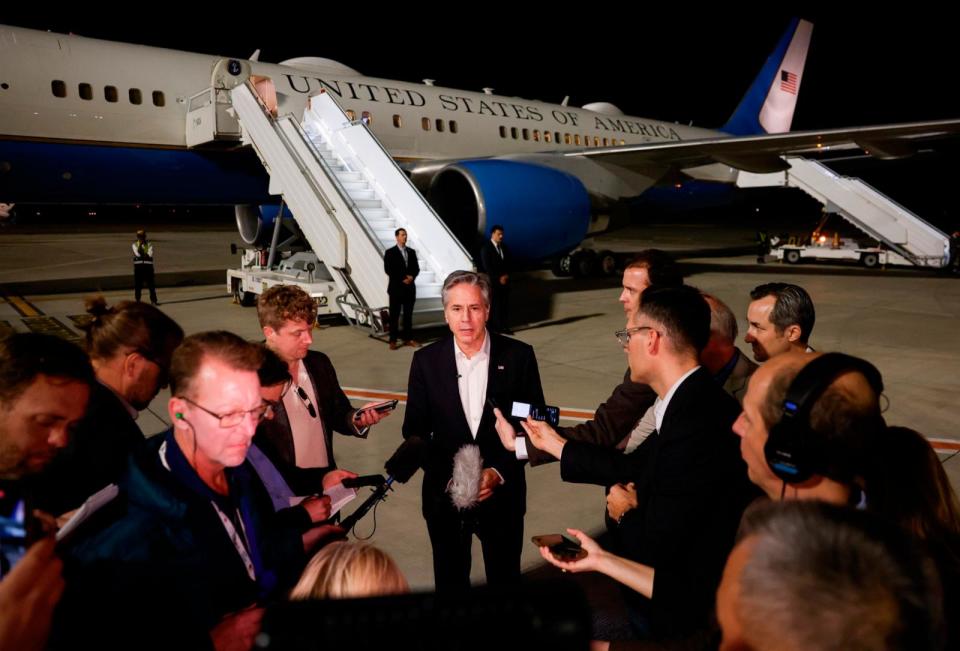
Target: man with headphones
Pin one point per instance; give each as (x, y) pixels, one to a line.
(807, 425)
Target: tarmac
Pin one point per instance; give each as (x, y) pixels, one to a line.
(904, 321)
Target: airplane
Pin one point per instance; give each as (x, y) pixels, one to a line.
(98, 122)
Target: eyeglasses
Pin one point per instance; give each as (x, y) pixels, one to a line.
(234, 418)
(623, 336)
(306, 401)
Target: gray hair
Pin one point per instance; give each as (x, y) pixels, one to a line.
(722, 319)
(824, 577)
(479, 280)
(793, 306)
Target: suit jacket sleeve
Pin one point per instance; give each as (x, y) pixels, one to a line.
(612, 422)
(413, 266)
(529, 380)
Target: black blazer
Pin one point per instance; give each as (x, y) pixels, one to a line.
(692, 487)
(275, 439)
(95, 457)
(435, 414)
(493, 265)
(397, 270)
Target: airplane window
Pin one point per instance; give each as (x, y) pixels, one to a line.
(566, 138)
(547, 136)
(513, 132)
(366, 118)
(158, 99)
(576, 138)
(110, 93)
(136, 97)
(453, 126)
(556, 136)
(536, 135)
(596, 141)
(439, 125)
(503, 131)
(59, 88)
(397, 121)
(86, 91)
(526, 134)
(623, 142)
(425, 124)
(605, 142)
(351, 115)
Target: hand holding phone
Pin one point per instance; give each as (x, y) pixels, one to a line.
(562, 547)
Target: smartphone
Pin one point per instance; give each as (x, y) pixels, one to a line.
(381, 407)
(546, 413)
(563, 547)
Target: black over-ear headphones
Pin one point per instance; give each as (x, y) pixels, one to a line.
(794, 451)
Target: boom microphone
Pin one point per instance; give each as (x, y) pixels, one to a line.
(400, 467)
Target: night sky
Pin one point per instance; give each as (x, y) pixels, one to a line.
(885, 67)
(684, 66)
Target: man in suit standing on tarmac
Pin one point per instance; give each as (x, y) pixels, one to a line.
(400, 264)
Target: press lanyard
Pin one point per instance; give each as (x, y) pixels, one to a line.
(232, 533)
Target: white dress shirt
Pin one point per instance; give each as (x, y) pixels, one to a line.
(309, 440)
(472, 381)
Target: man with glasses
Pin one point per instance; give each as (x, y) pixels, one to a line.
(299, 440)
(691, 482)
(194, 541)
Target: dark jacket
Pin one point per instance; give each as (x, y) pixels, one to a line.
(692, 487)
(435, 414)
(95, 457)
(491, 262)
(275, 439)
(397, 270)
(159, 564)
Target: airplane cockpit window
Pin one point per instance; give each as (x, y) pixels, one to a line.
(158, 99)
(366, 118)
(439, 125)
(59, 88)
(425, 124)
(86, 91)
(397, 121)
(453, 126)
(110, 93)
(136, 97)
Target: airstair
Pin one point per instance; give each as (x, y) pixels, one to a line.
(874, 213)
(348, 197)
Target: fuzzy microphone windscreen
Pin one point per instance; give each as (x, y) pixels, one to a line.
(465, 484)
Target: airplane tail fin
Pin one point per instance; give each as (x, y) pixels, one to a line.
(772, 97)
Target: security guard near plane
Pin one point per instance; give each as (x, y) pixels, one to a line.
(143, 267)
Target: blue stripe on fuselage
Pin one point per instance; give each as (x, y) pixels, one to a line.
(45, 172)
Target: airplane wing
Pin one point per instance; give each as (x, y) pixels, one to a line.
(761, 153)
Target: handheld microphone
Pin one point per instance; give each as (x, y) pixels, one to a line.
(363, 480)
(400, 467)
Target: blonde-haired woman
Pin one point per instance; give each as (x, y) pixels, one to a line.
(343, 570)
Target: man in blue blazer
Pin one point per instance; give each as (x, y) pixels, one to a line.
(452, 383)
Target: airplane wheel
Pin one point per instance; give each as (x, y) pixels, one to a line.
(583, 263)
(869, 260)
(607, 263)
(561, 266)
(793, 257)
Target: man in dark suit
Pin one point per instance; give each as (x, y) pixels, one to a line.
(495, 259)
(691, 483)
(400, 265)
(299, 439)
(451, 382)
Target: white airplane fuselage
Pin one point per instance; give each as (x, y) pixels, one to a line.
(404, 116)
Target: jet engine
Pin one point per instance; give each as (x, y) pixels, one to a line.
(544, 212)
